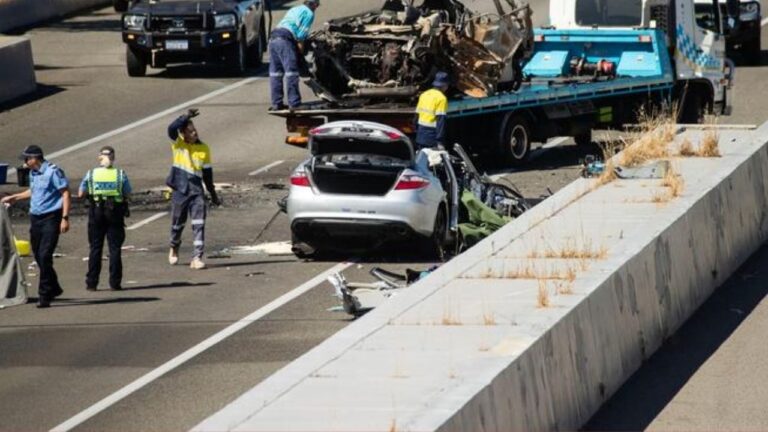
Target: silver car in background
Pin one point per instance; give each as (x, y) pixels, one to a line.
(365, 186)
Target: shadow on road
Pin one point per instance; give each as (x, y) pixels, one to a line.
(640, 400)
(43, 91)
(90, 302)
(168, 285)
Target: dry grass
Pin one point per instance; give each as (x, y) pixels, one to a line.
(449, 318)
(686, 148)
(572, 251)
(542, 299)
(489, 318)
(674, 182)
(393, 426)
(564, 288)
(710, 144)
(657, 130)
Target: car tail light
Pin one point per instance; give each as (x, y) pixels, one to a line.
(393, 135)
(318, 131)
(411, 182)
(300, 179)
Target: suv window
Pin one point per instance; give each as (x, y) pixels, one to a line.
(609, 13)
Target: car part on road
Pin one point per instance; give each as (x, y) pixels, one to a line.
(394, 52)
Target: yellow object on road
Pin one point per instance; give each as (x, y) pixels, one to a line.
(22, 247)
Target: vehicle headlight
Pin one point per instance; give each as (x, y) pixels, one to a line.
(134, 22)
(225, 21)
(749, 11)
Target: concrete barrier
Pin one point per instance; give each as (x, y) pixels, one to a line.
(17, 70)
(539, 324)
(22, 13)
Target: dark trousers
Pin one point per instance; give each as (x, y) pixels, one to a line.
(284, 63)
(185, 206)
(44, 235)
(110, 224)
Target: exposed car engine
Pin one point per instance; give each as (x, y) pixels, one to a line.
(393, 53)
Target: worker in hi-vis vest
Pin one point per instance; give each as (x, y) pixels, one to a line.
(107, 188)
(431, 110)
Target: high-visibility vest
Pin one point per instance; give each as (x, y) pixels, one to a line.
(432, 103)
(105, 183)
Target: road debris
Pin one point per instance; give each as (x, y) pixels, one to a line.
(271, 249)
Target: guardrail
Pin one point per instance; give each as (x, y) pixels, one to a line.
(17, 70)
(539, 324)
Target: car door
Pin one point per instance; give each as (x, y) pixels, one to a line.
(249, 9)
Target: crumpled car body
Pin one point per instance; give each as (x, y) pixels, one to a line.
(393, 53)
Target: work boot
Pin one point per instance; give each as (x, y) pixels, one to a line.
(173, 256)
(43, 302)
(197, 264)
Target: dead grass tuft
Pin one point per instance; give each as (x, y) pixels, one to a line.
(658, 129)
(393, 426)
(710, 144)
(449, 318)
(542, 299)
(564, 287)
(686, 148)
(674, 182)
(489, 318)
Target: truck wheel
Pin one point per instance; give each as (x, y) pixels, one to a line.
(120, 5)
(135, 62)
(692, 109)
(257, 49)
(583, 139)
(751, 51)
(516, 140)
(238, 59)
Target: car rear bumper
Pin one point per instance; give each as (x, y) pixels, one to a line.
(332, 233)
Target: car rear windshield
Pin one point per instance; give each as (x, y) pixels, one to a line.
(609, 13)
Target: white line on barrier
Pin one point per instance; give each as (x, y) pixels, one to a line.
(150, 219)
(195, 350)
(265, 168)
(764, 22)
(145, 120)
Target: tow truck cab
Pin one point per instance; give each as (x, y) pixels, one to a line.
(742, 35)
(703, 73)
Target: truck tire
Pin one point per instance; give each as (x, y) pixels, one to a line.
(257, 49)
(516, 140)
(136, 62)
(238, 57)
(751, 52)
(692, 108)
(120, 5)
(583, 139)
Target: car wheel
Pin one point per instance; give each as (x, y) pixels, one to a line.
(301, 249)
(238, 59)
(257, 49)
(751, 51)
(434, 245)
(516, 140)
(135, 62)
(120, 5)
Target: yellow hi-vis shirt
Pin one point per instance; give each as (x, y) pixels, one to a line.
(191, 158)
(432, 103)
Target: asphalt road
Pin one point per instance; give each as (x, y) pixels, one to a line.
(60, 361)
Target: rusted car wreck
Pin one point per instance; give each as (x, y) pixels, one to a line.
(393, 53)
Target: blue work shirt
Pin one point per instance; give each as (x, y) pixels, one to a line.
(298, 20)
(126, 188)
(46, 186)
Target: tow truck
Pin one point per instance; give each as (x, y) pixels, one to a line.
(594, 67)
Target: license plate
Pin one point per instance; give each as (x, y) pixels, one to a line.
(180, 45)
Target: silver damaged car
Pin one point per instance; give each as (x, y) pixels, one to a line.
(364, 186)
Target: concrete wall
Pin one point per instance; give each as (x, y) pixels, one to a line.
(471, 348)
(17, 70)
(21, 13)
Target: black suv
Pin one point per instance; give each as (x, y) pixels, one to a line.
(159, 32)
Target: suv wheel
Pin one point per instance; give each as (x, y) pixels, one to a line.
(256, 50)
(238, 59)
(135, 62)
(751, 51)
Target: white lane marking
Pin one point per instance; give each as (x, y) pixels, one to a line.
(764, 22)
(197, 349)
(146, 120)
(143, 222)
(265, 168)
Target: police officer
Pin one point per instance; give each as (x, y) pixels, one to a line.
(49, 216)
(190, 171)
(285, 47)
(107, 189)
(431, 111)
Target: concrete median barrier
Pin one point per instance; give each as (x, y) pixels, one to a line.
(539, 324)
(23, 13)
(17, 70)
